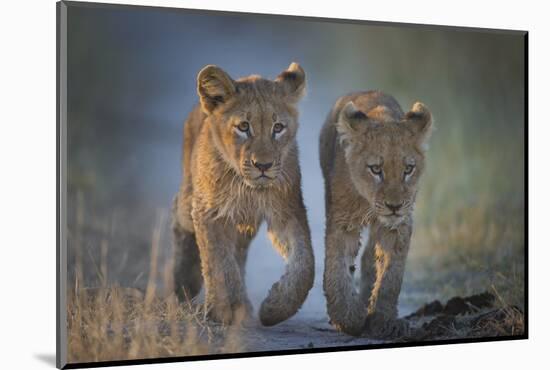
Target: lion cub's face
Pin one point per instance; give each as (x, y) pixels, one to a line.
(385, 155)
(253, 120)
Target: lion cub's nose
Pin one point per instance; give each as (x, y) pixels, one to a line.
(262, 166)
(393, 207)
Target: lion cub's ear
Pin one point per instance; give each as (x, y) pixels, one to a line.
(293, 82)
(420, 118)
(214, 87)
(351, 121)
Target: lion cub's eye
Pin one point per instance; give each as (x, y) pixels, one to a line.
(278, 128)
(375, 169)
(243, 126)
(409, 169)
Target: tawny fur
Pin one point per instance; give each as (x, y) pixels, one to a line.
(368, 132)
(223, 200)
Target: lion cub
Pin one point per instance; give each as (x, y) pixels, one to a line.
(372, 156)
(240, 167)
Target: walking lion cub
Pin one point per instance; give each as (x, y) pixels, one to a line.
(372, 156)
(240, 167)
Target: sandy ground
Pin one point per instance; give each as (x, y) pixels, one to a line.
(302, 331)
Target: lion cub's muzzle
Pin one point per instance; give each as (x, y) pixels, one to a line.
(263, 173)
(260, 173)
(393, 214)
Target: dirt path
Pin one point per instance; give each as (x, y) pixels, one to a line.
(299, 333)
(460, 317)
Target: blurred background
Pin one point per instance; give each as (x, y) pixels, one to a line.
(132, 82)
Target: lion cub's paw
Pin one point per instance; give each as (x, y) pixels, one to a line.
(220, 314)
(381, 327)
(270, 313)
(231, 315)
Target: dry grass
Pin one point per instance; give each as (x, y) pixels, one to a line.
(476, 248)
(507, 321)
(469, 234)
(110, 322)
(481, 247)
(116, 323)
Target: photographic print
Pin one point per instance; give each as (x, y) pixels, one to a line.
(235, 184)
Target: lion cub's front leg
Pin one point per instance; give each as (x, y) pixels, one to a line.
(225, 299)
(291, 238)
(346, 309)
(390, 254)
